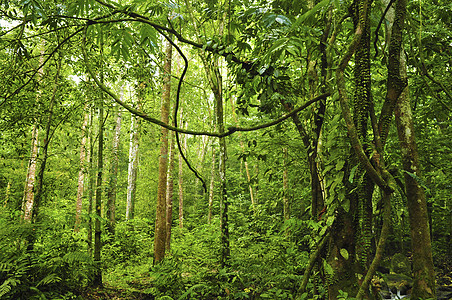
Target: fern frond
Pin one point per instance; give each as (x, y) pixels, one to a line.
(49, 279)
(9, 283)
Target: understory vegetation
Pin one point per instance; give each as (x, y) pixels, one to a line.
(225, 149)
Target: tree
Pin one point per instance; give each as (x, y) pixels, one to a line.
(423, 270)
(81, 174)
(160, 221)
(111, 192)
(170, 193)
(29, 194)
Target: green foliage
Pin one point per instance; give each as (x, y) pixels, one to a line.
(56, 267)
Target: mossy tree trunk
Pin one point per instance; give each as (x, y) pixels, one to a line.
(423, 269)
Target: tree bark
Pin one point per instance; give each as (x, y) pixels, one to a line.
(111, 194)
(98, 205)
(40, 179)
(97, 280)
(91, 175)
(133, 165)
(81, 173)
(28, 200)
(160, 220)
(423, 269)
(170, 195)
(286, 201)
(181, 186)
(211, 187)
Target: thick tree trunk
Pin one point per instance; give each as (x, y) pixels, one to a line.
(423, 270)
(111, 194)
(160, 220)
(81, 173)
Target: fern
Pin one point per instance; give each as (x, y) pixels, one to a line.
(9, 283)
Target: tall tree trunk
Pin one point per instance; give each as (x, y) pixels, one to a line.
(29, 194)
(97, 281)
(423, 270)
(181, 186)
(98, 206)
(111, 194)
(170, 194)
(160, 219)
(45, 148)
(247, 170)
(133, 166)
(353, 225)
(91, 180)
(81, 173)
(27, 204)
(224, 203)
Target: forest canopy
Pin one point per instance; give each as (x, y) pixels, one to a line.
(225, 149)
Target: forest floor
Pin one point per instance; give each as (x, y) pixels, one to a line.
(134, 284)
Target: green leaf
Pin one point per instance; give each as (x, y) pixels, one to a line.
(344, 253)
(330, 221)
(352, 174)
(328, 269)
(340, 165)
(304, 18)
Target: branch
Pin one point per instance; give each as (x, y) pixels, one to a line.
(380, 247)
(143, 19)
(39, 67)
(148, 118)
(379, 25)
(313, 258)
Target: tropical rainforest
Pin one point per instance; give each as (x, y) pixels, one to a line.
(225, 149)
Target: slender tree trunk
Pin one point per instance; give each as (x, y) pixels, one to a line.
(160, 221)
(91, 176)
(181, 191)
(133, 166)
(211, 188)
(98, 206)
(111, 195)
(170, 194)
(81, 173)
(42, 167)
(8, 190)
(224, 203)
(423, 270)
(29, 194)
(247, 170)
(286, 201)
(28, 201)
(97, 281)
